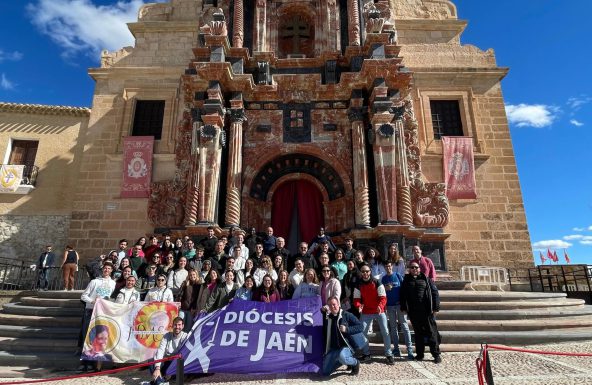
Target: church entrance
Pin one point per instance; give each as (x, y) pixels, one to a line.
(297, 212)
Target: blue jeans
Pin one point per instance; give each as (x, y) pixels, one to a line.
(383, 324)
(337, 357)
(359, 342)
(394, 315)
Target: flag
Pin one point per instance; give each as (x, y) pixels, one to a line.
(555, 257)
(459, 167)
(567, 260)
(543, 259)
(550, 256)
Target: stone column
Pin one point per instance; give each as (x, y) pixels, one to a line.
(235, 164)
(353, 13)
(261, 23)
(238, 33)
(403, 190)
(210, 155)
(361, 197)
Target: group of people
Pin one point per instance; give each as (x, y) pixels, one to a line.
(352, 285)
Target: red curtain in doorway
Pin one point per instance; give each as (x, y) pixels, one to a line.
(309, 202)
(310, 210)
(282, 208)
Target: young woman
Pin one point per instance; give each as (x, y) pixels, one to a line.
(373, 259)
(152, 248)
(69, 267)
(168, 265)
(330, 286)
(222, 294)
(206, 266)
(246, 291)
(339, 264)
(128, 294)
(188, 297)
(359, 258)
(284, 286)
(177, 277)
(267, 292)
(160, 293)
(178, 249)
(278, 263)
(211, 281)
(265, 269)
(396, 260)
(166, 246)
(249, 268)
(309, 287)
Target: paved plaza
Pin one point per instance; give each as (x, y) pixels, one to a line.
(509, 368)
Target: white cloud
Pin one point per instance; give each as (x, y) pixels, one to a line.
(590, 228)
(80, 26)
(586, 242)
(576, 123)
(573, 237)
(577, 102)
(10, 56)
(6, 84)
(551, 244)
(531, 115)
(579, 229)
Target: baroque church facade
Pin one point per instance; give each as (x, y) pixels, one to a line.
(300, 115)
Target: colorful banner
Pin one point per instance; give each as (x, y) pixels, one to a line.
(137, 166)
(256, 337)
(10, 177)
(459, 167)
(127, 332)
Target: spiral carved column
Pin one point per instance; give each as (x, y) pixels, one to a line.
(405, 213)
(354, 22)
(361, 196)
(238, 33)
(235, 164)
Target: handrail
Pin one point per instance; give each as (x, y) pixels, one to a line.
(485, 275)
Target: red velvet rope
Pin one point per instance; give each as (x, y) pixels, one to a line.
(101, 373)
(498, 347)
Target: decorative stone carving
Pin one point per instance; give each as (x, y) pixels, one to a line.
(108, 59)
(155, 12)
(354, 22)
(166, 204)
(238, 34)
(374, 21)
(235, 164)
(430, 205)
(217, 26)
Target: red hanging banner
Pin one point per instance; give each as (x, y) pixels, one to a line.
(459, 167)
(137, 166)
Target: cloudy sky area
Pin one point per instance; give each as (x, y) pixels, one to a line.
(548, 91)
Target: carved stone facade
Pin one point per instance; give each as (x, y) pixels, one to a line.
(332, 93)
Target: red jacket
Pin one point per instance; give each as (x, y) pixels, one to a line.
(372, 295)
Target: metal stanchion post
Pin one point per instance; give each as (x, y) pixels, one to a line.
(180, 371)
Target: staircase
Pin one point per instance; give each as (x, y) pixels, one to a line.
(41, 330)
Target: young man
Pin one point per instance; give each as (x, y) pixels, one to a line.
(44, 263)
(421, 300)
(97, 288)
(370, 299)
(343, 334)
(392, 283)
(209, 243)
(169, 346)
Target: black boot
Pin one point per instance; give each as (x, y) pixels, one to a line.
(355, 369)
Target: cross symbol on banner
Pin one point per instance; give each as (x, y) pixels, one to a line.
(8, 177)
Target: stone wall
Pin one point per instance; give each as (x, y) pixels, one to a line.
(24, 237)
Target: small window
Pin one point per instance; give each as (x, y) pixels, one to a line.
(148, 118)
(446, 118)
(23, 152)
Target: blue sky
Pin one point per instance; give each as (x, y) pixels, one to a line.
(48, 45)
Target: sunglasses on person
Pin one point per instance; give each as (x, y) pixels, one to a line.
(414, 267)
(364, 271)
(161, 279)
(326, 271)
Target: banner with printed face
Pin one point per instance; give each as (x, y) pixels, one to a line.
(459, 167)
(257, 337)
(127, 332)
(137, 166)
(10, 177)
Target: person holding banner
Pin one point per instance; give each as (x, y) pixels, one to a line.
(267, 292)
(129, 293)
(169, 346)
(246, 291)
(160, 293)
(309, 287)
(341, 330)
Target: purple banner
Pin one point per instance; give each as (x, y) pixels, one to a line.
(256, 337)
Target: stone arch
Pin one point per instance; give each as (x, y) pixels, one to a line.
(298, 176)
(297, 163)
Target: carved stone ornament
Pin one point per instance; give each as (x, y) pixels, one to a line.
(355, 114)
(166, 204)
(386, 130)
(208, 131)
(217, 26)
(430, 204)
(237, 115)
(374, 21)
(371, 136)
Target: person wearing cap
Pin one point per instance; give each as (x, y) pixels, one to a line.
(160, 293)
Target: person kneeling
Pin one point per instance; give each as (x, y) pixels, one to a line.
(341, 330)
(169, 346)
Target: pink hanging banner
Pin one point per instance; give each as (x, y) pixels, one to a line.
(459, 167)
(137, 166)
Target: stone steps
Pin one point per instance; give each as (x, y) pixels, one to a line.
(22, 344)
(510, 305)
(496, 296)
(514, 313)
(72, 294)
(516, 325)
(39, 333)
(530, 337)
(38, 321)
(22, 309)
(52, 302)
(56, 360)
